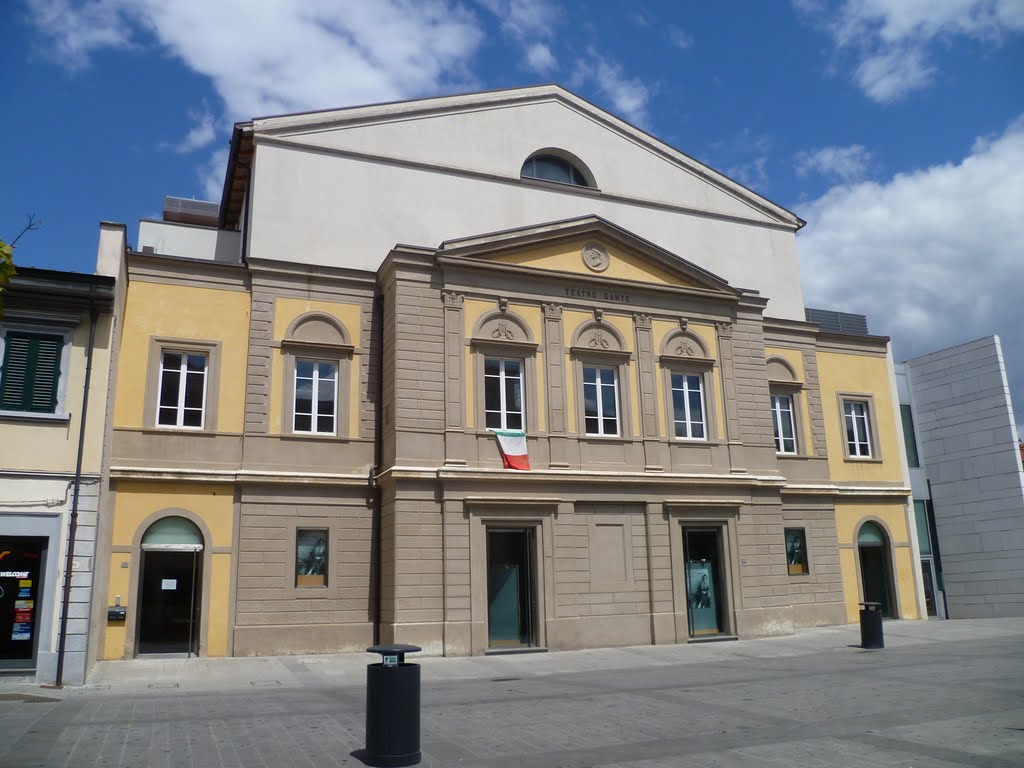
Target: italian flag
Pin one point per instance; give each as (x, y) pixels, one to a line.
(513, 448)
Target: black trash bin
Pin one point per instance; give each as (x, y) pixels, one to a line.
(871, 625)
(393, 707)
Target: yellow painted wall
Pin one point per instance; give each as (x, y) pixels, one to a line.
(849, 517)
(859, 374)
(285, 312)
(185, 312)
(661, 329)
(43, 445)
(134, 502)
(624, 265)
(796, 360)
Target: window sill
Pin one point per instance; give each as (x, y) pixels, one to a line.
(54, 418)
(609, 439)
(314, 436)
(199, 431)
(862, 459)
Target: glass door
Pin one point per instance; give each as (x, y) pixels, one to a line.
(510, 598)
(704, 589)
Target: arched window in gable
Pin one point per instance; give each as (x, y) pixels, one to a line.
(557, 166)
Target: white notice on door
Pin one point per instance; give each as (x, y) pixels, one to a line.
(168, 583)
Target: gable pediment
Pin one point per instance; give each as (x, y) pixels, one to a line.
(589, 248)
(489, 136)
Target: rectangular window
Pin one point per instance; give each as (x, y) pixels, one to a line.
(31, 372)
(908, 436)
(858, 432)
(924, 540)
(796, 551)
(600, 401)
(181, 401)
(782, 419)
(316, 395)
(688, 405)
(503, 394)
(311, 550)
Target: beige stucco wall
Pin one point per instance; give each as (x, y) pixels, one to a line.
(51, 446)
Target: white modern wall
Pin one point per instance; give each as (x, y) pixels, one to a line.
(189, 240)
(966, 433)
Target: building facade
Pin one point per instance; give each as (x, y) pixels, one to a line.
(967, 480)
(55, 342)
(316, 374)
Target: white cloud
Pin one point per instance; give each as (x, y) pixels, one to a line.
(752, 174)
(842, 163)
(680, 38)
(933, 257)
(271, 56)
(891, 39)
(201, 134)
(211, 174)
(528, 23)
(629, 96)
(540, 59)
(75, 32)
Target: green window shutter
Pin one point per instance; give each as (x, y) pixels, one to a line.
(31, 372)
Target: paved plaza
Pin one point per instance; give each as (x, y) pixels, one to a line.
(940, 694)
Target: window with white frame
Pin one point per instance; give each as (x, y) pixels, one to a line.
(600, 400)
(31, 371)
(687, 391)
(316, 396)
(858, 428)
(782, 420)
(181, 401)
(503, 394)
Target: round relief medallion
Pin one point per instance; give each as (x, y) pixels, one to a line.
(596, 257)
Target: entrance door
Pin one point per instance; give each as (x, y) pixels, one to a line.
(705, 595)
(510, 588)
(170, 588)
(168, 619)
(875, 574)
(22, 565)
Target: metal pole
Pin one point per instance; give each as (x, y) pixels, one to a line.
(73, 524)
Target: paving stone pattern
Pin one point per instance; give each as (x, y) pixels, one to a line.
(940, 694)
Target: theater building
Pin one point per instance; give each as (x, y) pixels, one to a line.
(488, 373)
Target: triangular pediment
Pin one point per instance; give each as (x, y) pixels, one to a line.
(588, 247)
(489, 135)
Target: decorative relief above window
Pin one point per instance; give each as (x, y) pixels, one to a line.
(504, 355)
(687, 369)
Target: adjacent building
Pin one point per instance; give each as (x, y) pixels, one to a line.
(967, 480)
(325, 379)
(55, 341)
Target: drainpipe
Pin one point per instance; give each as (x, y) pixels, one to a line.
(73, 525)
(378, 459)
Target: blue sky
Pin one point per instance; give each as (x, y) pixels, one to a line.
(894, 127)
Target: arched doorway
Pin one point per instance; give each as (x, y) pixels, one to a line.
(170, 594)
(876, 567)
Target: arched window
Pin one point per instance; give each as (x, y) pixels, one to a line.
(553, 168)
(173, 533)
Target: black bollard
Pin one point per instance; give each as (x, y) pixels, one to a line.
(871, 625)
(393, 708)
